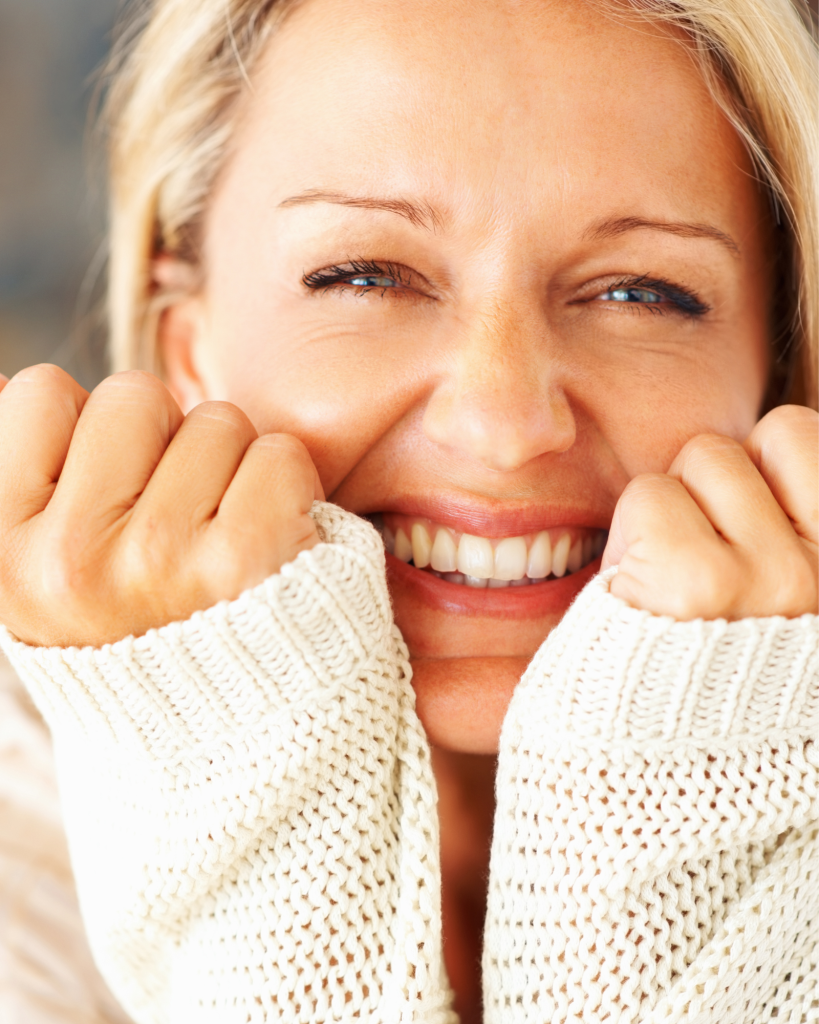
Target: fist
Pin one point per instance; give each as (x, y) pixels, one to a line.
(730, 531)
(118, 514)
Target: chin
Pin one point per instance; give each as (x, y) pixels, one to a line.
(469, 646)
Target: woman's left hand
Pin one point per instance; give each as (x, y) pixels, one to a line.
(731, 531)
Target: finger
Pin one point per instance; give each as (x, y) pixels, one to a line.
(39, 410)
(268, 502)
(718, 474)
(784, 446)
(277, 480)
(657, 508)
(125, 428)
(672, 562)
(197, 468)
(3, 381)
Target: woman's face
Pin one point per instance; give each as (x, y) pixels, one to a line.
(489, 260)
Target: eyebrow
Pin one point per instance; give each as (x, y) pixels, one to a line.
(424, 215)
(620, 225)
(421, 214)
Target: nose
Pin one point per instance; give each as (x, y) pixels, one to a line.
(502, 404)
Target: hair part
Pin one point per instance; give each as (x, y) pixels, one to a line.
(182, 67)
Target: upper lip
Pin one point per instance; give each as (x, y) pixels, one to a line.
(497, 517)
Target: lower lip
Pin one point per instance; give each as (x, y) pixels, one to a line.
(532, 602)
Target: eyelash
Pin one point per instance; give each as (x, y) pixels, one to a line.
(322, 280)
(683, 302)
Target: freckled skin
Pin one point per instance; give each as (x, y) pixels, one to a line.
(496, 373)
(487, 379)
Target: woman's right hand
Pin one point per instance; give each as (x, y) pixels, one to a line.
(118, 514)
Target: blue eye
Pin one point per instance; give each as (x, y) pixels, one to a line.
(654, 294)
(372, 282)
(363, 274)
(631, 295)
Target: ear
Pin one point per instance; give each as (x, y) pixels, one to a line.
(181, 331)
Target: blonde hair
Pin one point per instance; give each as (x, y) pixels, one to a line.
(182, 67)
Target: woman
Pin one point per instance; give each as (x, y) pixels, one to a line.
(517, 282)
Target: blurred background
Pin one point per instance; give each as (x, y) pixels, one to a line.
(52, 257)
(51, 195)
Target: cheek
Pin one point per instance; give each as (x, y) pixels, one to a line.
(645, 412)
(337, 390)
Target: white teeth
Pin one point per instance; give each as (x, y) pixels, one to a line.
(510, 559)
(421, 546)
(539, 564)
(444, 554)
(403, 548)
(560, 555)
(475, 557)
(575, 559)
(480, 561)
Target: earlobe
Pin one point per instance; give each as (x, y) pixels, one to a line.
(180, 330)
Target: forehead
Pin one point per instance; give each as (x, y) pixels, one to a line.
(554, 103)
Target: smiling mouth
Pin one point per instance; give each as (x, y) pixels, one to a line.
(489, 562)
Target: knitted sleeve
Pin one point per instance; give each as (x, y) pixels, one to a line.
(250, 805)
(656, 847)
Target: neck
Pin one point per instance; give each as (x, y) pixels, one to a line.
(466, 806)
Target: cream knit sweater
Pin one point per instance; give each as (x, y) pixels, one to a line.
(251, 812)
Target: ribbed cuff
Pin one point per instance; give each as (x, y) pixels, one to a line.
(610, 672)
(226, 670)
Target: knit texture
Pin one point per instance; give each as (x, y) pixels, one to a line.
(251, 812)
(656, 846)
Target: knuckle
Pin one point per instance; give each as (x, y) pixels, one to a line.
(707, 452)
(284, 445)
(147, 551)
(45, 383)
(233, 562)
(710, 446)
(788, 419)
(644, 487)
(139, 394)
(141, 379)
(44, 375)
(288, 459)
(133, 386)
(786, 426)
(714, 586)
(223, 416)
(708, 582)
(797, 585)
(151, 568)
(647, 495)
(138, 562)
(64, 569)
